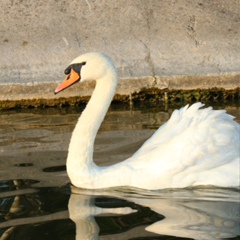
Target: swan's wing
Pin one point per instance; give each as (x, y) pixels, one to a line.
(175, 125)
(193, 139)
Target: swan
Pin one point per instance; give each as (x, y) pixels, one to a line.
(194, 147)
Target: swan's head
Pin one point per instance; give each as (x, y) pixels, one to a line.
(89, 66)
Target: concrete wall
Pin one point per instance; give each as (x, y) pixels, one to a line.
(144, 37)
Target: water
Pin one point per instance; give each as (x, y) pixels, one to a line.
(37, 201)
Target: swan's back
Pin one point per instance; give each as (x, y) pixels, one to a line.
(195, 147)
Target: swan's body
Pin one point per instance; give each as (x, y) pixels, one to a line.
(195, 147)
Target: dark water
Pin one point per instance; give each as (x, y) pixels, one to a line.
(37, 201)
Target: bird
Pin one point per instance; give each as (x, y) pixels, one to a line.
(196, 146)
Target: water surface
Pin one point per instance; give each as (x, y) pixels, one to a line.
(37, 201)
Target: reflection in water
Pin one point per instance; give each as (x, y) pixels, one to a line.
(208, 213)
(82, 211)
(35, 205)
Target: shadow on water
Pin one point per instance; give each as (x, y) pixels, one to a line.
(37, 202)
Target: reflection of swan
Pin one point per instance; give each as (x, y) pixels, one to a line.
(82, 211)
(195, 147)
(197, 213)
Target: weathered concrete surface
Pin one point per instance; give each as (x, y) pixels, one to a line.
(155, 40)
(126, 86)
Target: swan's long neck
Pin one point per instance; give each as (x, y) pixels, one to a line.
(80, 152)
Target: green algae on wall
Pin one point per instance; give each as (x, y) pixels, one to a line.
(144, 95)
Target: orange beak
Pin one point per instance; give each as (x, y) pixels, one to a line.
(71, 78)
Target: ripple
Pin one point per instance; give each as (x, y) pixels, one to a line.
(16, 184)
(55, 169)
(23, 165)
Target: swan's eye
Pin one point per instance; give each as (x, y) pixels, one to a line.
(76, 67)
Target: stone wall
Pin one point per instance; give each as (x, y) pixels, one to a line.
(144, 37)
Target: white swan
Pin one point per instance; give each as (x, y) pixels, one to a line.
(195, 147)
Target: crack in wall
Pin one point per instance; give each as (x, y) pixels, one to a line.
(78, 40)
(191, 30)
(149, 60)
